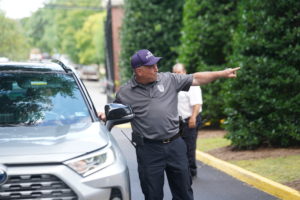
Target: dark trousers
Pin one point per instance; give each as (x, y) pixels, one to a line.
(190, 138)
(156, 158)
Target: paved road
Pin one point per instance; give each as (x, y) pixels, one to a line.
(210, 184)
(96, 94)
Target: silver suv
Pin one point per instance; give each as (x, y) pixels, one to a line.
(52, 144)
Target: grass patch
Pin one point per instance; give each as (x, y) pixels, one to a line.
(206, 144)
(280, 169)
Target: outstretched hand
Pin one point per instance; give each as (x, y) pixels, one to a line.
(231, 72)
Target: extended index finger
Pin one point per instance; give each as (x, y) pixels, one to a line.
(237, 68)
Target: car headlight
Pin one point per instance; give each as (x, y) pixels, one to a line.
(93, 162)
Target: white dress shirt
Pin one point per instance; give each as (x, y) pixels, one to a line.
(186, 101)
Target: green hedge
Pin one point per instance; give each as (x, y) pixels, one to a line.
(262, 37)
(205, 46)
(153, 25)
(263, 104)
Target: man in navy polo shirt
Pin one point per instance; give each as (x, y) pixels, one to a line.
(153, 98)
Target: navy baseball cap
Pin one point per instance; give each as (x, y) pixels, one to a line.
(143, 57)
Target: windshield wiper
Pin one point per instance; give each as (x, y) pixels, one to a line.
(14, 125)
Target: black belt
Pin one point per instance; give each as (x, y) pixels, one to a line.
(165, 141)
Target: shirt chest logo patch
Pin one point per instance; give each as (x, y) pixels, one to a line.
(161, 88)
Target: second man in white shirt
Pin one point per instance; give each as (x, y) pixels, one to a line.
(189, 108)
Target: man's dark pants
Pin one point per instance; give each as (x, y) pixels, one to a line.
(190, 137)
(156, 158)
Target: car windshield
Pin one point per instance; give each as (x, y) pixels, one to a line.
(40, 99)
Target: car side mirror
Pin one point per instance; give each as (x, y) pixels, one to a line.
(117, 114)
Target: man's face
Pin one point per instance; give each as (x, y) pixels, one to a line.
(147, 73)
(179, 70)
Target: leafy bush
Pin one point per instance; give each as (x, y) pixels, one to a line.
(153, 25)
(206, 44)
(263, 103)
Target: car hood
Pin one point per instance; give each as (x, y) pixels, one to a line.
(50, 144)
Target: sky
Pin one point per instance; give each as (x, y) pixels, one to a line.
(17, 9)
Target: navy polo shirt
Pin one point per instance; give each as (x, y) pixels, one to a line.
(155, 104)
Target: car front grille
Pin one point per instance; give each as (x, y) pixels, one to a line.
(42, 187)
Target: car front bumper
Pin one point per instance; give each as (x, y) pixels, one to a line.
(57, 181)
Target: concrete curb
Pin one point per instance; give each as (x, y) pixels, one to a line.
(262, 183)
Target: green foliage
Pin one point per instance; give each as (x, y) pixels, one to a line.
(206, 44)
(153, 25)
(40, 30)
(263, 104)
(65, 31)
(13, 43)
(69, 23)
(91, 48)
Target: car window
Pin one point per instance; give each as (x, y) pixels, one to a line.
(40, 99)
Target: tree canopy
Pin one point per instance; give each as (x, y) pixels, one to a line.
(90, 40)
(13, 43)
(76, 32)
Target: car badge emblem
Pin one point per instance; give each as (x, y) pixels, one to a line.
(3, 176)
(161, 88)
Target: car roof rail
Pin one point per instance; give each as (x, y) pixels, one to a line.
(67, 69)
